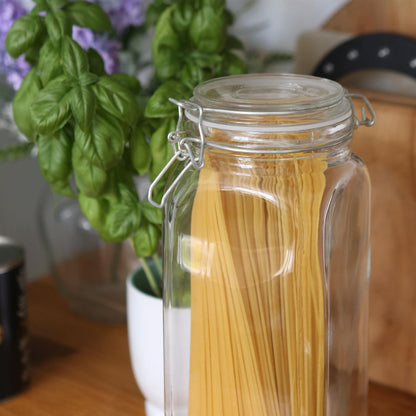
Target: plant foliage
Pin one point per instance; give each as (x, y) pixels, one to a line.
(88, 125)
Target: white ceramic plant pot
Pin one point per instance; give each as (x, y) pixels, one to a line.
(145, 332)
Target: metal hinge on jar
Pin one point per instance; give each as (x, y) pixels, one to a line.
(365, 121)
(182, 150)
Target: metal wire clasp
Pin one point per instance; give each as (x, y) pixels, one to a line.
(182, 149)
(365, 121)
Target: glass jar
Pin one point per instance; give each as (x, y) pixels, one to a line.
(266, 246)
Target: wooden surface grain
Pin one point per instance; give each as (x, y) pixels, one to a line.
(360, 17)
(389, 150)
(81, 368)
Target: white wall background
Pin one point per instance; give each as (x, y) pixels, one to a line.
(263, 24)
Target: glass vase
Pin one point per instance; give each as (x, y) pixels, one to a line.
(89, 273)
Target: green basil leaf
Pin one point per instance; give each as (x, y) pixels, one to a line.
(74, 58)
(124, 218)
(192, 75)
(146, 239)
(139, 151)
(182, 16)
(55, 4)
(27, 93)
(50, 111)
(214, 4)
(159, 105)
(127, 81)
(208, 30)
(167, 63)
(234, 43)
(117, 100)
(204, 59)
(24, 33)
(153, 12)
(103, 144)
(57, 25)
(82, 101)
(49, 62)
(96, 211)
(151, 213)
(90, 15)
(233, 65)
(63, 187)
(41, 4)
(165, 34)
(96, 62)
(160, 148)
(87, 78)
(91, 180)
(54, 155)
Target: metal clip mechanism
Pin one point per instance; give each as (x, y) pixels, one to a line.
(182, 151)
(365, 121)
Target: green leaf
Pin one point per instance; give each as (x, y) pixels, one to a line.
(167, 63)
(151, 213)
(91, 180)
(234, 43)
(182, 16)
(103, 144)
(215, 4)
(24, 33)
(159, 105)
(146, 239)
(57, 25)
(82, 101)
(117, 100)
(74, 58)
(49, 62)
(204, 59)
(54, 154)
(41, 4)
(96, 62)
(63, 187)
(207, 30)
(165, 34)
(90, 15)
(124, 218)
(153, 12)
(96, 211)
(87, 78)
(160, 148)
(27, 93)
(233, 65)
(55, 4)
(140, 151)
(127, 81)
(191, 75)
(50, 111)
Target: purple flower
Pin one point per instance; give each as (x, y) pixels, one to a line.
(124, 13)
(108, 48)
(14, 70)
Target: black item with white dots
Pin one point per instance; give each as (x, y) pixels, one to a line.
(389, 51)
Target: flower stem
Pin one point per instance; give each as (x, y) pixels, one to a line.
(150, 278)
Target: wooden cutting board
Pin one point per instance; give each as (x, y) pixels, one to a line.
(366, 16)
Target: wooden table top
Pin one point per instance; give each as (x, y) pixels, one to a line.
(81, 368)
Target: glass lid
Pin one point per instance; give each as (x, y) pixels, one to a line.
(268, 94)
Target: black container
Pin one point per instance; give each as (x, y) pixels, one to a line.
(14, 348)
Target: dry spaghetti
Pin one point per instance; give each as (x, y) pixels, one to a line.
(257, 292)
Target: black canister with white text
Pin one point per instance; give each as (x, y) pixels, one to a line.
(14, 348)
